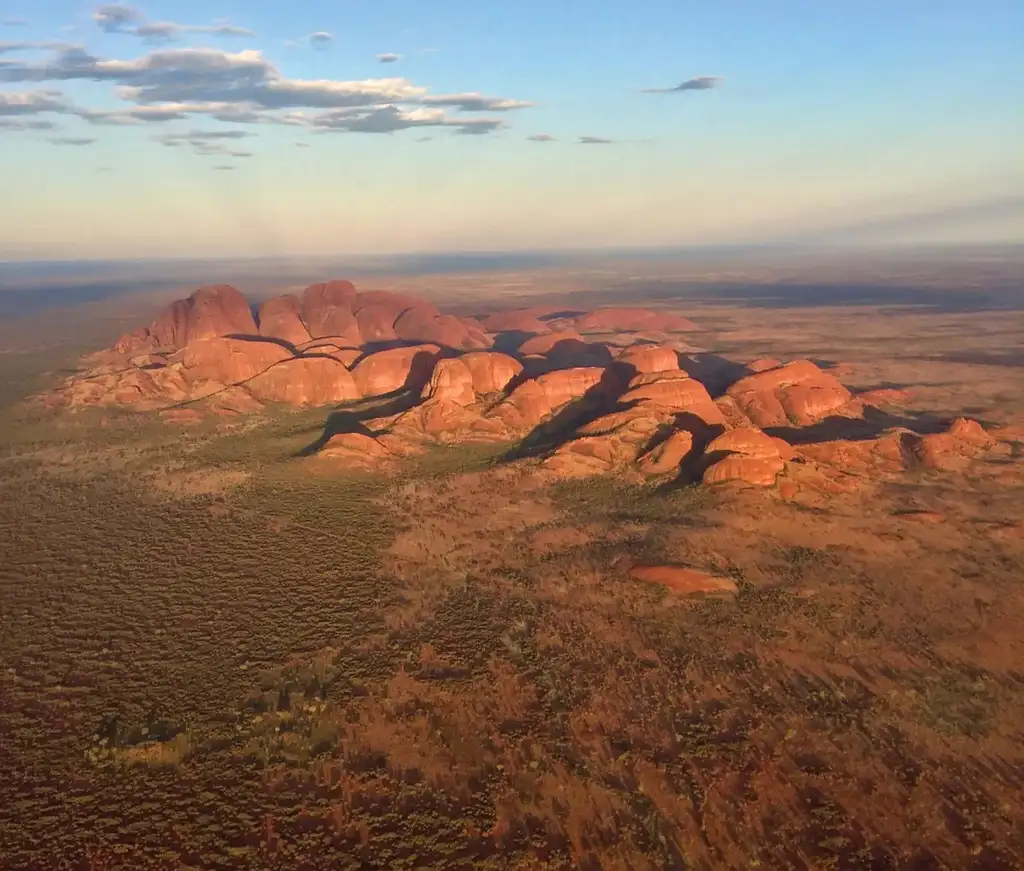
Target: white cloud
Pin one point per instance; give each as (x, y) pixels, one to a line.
(541, 137)
(15, 22)
(595, 140)
(388, 58)
(321, 39)
(71, 140)
(206, 142)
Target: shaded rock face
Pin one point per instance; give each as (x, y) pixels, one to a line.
(397, 369)
(602, 392)
(281, 318)
(229, 361)
(451, 381)
(213, 310)
(798, 393)
(305, 381)
(327, 311)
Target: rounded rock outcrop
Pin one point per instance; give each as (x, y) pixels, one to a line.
(386, 372)
(280, 318)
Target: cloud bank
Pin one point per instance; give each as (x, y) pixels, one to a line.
(243, 87)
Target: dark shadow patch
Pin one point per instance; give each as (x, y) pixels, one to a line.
(268, 340)
(351, 418)
(564, 424)
(873, 424)
(715, 372)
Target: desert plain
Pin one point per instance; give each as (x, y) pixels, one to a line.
(635, 564)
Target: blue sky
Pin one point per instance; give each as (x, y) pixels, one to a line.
(226, 128)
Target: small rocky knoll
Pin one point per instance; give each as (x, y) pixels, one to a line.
(613, 390)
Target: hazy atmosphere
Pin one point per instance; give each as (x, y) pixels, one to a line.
(187, 128)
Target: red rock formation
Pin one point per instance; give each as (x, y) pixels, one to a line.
(439, 419)
(522, 320)
(137, 340)
(377, 322)
(327, 311)
(331, 348)
(397, 303)
(452, 382)
(668, 456)
(650, 358)
(421, 324)
(229, 361)
(543, 344)
(763, 364)
(356, 449)
(750, 456)
(213, 310)
(305, 381)
(962, 441)
(399, 368)
(797, 393)
(883, 396)
(749, 441)
(626, 320)
(534, 400)
(673, 390)
(492, 372)
(759, 471)
(280, 318)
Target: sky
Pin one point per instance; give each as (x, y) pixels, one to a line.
(248, 128)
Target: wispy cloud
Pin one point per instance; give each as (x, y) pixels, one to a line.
(391, 118)
(473, 102)
(22, 124)
(321, 39)
(223, 167)
(33, 102)
(15, 22)
(72, 140)
(168, 31)
(595, 140)
(699, 83)
(122, 18)
(11, 47)
(115, 17)
(206, 142)
(541, 137)
(388, 58)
